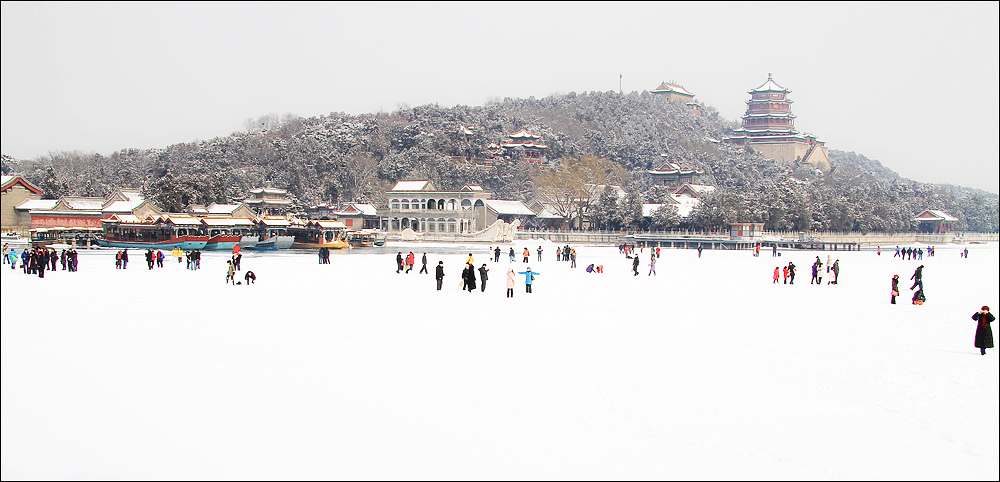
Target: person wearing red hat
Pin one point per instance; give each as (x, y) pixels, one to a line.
(984, 334)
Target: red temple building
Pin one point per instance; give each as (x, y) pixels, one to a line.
(769, 128)
(534, 150)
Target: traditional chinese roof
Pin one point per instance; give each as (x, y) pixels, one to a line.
(697, 188)
(935, 215)
(673, 168)
(82, 203)
(769, 86)
(524, 134)
(413, 186)
(354, 209)
(123, 206)
(126, 219)
(667, 87)
(516, 208)
(36, 204)
(465, 130)
(472, 187)
(272, 221)
(216, 208)
(7, 182)
(527, 144)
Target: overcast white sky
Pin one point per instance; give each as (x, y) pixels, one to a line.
(913, 85)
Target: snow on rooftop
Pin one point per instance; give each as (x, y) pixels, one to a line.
(685, 204)
(215, 208)
(275, 222)
(516, 208)
(666, 87)
(410, 185)
(122, 206)
(37, 204)
(524, 134)
(84, 203)
(770, 85)
(935, 215)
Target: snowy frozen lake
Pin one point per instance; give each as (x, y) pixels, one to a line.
(352, 371)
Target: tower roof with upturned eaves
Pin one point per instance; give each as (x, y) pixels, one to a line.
(769, 86)
(667, 87)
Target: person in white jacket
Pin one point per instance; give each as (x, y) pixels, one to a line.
(510, 283)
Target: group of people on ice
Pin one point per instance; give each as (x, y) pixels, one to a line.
(787, 273)
(37, 260)
(406, 263)
(469, 279)
(910, 253)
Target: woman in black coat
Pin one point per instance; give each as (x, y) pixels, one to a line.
(470, 277)
(984, 334)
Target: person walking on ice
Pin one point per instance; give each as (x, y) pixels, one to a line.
(423, 264)
(984, 334)
(635, 266)
(439, 274)
(539, 254)
(777, 272)
(918, 278)
(652, 264)
(529, 277)
(510, 283)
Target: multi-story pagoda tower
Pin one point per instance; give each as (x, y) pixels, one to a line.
(769, 127)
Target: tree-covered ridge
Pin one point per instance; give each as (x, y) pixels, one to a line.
(339, 157)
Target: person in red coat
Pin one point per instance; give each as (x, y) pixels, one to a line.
(984, 334)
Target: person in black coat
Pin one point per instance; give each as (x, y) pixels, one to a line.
(984, 334)
(439, 274)
(895, 289)
(423, 261)
(470, 277)
(483, 277)
(399, 261)
(918, 278)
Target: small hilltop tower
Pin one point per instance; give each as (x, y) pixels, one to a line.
(769, 128)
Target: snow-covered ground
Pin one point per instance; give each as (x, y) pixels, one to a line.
(352, 371)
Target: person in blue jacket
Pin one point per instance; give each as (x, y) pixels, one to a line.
(529, 276)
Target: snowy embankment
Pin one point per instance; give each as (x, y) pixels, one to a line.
(351, 371)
